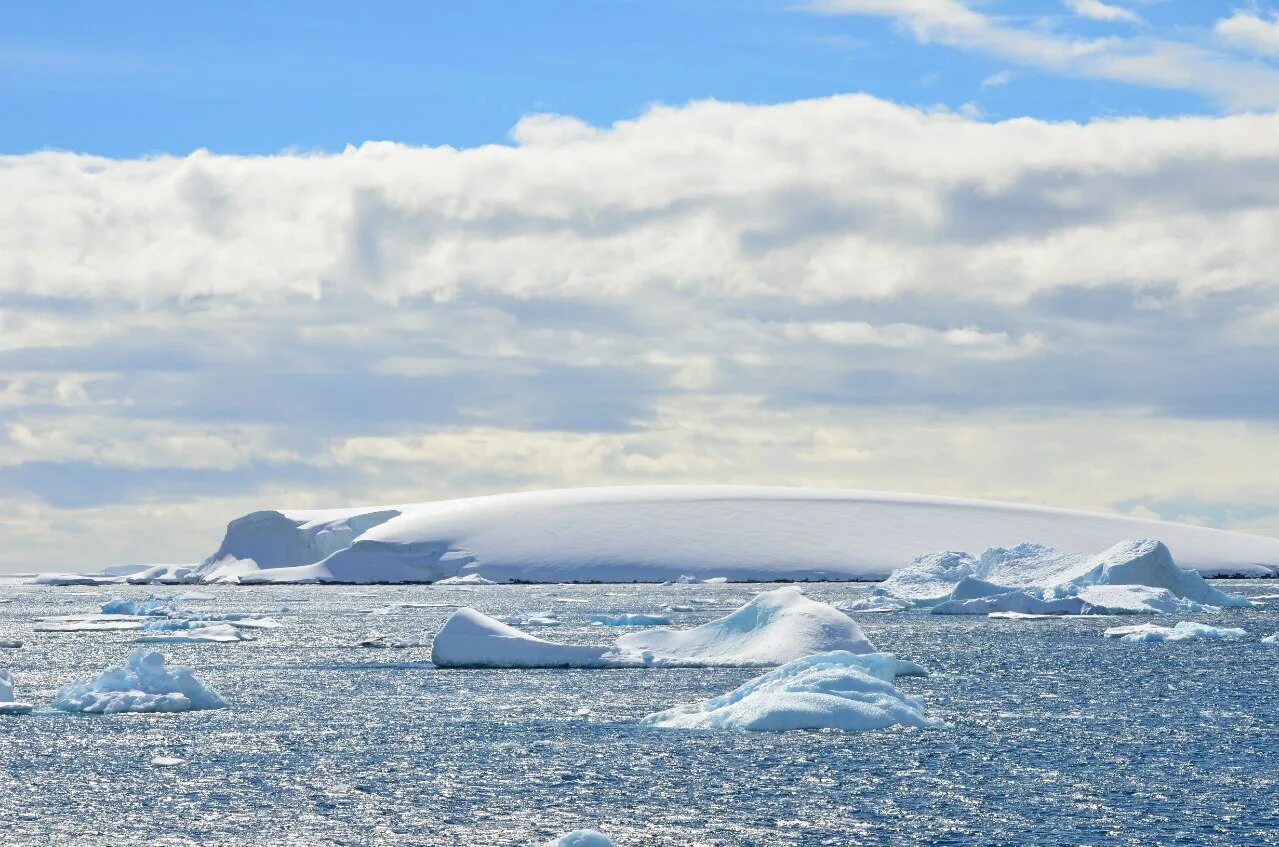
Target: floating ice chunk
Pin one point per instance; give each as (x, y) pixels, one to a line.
(87, 623)
(874, 603)
(1271, 639)
(837, 690)
(470, 639)
(196, 632)
(380, 641)
(1131, 577)
(543, 619)
(1183, 631)
(680, 608)
(167, 761)
(775, 627)
(9, 706)
(74, 579)
(144, 684)
(634, 619)
(469, 579)
(152, 606)
(10, 644)
(581, 838)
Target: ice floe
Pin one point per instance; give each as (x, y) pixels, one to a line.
(10, 644)
(143, 684)
(9, 706)
(664, 533)
(836, 690)
(1183, 631)
(539, 619)
(1136, 576)
(580, 838)
(632, 619)
(190, 632)
(775, 627)
(167, 761)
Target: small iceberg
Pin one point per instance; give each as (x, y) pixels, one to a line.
(167, 761)
(1184, 631)
(636, 619)
(581, 838)
(1132, 577)
(195, 632)
(837, 690)
(471, 639)
(1271, 639)
(144, 684)
(469, 579)
(685, 579)
(10, 644)
(875, 603)
(540, 619)
(380, 641)
(9, 706)
(150, 607)
(67, 579)
(775, 627)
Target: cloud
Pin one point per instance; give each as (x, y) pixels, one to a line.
(1253, 32)
(1099, 11)
(841, 291)
(1168, 63)
(997, 79)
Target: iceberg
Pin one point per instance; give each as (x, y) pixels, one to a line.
(10, 644)
(775, 627)
(1271, 639)
(837, 690)
(144, 684)
(469, 579)
(633, 619)
(667, 533)
(1183, 631)
(471, 639)
(1135, 576)
(580, 838)
(152, 606)
(194, 632)
(875, 603)
(9, 706)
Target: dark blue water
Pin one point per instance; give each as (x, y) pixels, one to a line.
(1055, 736)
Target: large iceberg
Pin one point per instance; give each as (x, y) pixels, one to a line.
(1135, 576)
(1183, 631)
(144, 684)
(662, 533)
(9, 706)
(775, 627)
(838, 690)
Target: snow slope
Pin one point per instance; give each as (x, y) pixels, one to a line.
(657, 533)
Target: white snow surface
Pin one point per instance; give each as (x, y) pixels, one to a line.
(144, 684)
(580, 838)
(1183, 631)
(662, 533)
(837, 690)
(1134, 576)
(775, 627)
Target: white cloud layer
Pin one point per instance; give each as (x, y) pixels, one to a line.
(840, 291)
(1254, 32)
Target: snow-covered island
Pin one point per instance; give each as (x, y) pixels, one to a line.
(661, 533)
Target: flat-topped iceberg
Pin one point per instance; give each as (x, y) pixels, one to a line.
(838, 690)
(143, 684)
(668, 533)
(9, 706)
(1135, 576)
(775, 627)
(471, 639)
(190, 632)
(1183, 631)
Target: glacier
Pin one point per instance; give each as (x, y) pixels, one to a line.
(1131, 577)
(143, 684)
(666, 533)
(837, 690)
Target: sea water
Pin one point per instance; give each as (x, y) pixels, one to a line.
(1053, 736)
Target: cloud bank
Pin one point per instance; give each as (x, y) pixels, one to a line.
(840, 291)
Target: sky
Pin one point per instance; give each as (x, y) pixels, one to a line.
(306, 255)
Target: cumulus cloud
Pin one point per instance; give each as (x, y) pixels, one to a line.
(1256, 33)
(840, 291)
(1099, 11)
